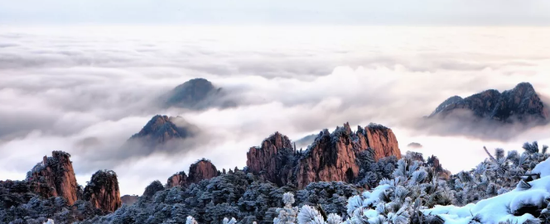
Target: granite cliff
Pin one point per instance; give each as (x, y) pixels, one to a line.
(103, 192)
(331, 157)
(53, 177)
(201, 170)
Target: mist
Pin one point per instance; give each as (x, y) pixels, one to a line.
(87, 90)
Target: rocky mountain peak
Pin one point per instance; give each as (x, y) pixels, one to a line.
(161, 129)
(273, 160)
(331, 157)
(194, 94)
(277, 140)
(103, 191)
(201, 170)
(53, 177)
(518, 105)
(452, 100)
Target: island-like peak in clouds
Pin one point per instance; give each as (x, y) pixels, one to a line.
(489, 114)
(196, 94)
(161, 129)
(521, 104)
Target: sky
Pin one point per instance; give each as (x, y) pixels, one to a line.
(84, 76)
(285, 12)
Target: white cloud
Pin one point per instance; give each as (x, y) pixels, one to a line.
(86, 90)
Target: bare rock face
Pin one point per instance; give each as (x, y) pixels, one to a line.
(103, 192)
(201, 170)
(53, 177)
(178, 179)
(331, 157)
(273, 160)
(382, 140)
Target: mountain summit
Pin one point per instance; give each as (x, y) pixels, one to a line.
(489, 114)
(331, 157)
(161, 129)
(196, 94)
(518, 105)
(161, 133)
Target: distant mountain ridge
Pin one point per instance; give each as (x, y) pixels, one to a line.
(161, 134)
(519, 105)
(196, 94)
(161, 129)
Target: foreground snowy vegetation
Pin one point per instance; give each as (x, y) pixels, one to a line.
(415, 196)
(516, 189)
(512, 187)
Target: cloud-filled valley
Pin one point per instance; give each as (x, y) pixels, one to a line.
(86, 90)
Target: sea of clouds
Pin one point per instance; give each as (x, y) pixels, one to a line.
(86, 90)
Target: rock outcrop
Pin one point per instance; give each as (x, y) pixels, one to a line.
(153, 188)
(192, 94)
(53, 177)
(161, 134)
(103, 191)
(273, 160)
(161, 129)
(201, 170)
(331, 157)
(196, 94)
(178, 179)
(381, 139)
(519, 105)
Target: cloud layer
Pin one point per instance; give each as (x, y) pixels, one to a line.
(86, 90)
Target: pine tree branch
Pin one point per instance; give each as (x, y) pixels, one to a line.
(491, 156)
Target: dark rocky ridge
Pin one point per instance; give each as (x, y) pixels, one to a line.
(160, 129)
(196, 94)
(331, 157)
(519, 105)
(160, 134)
